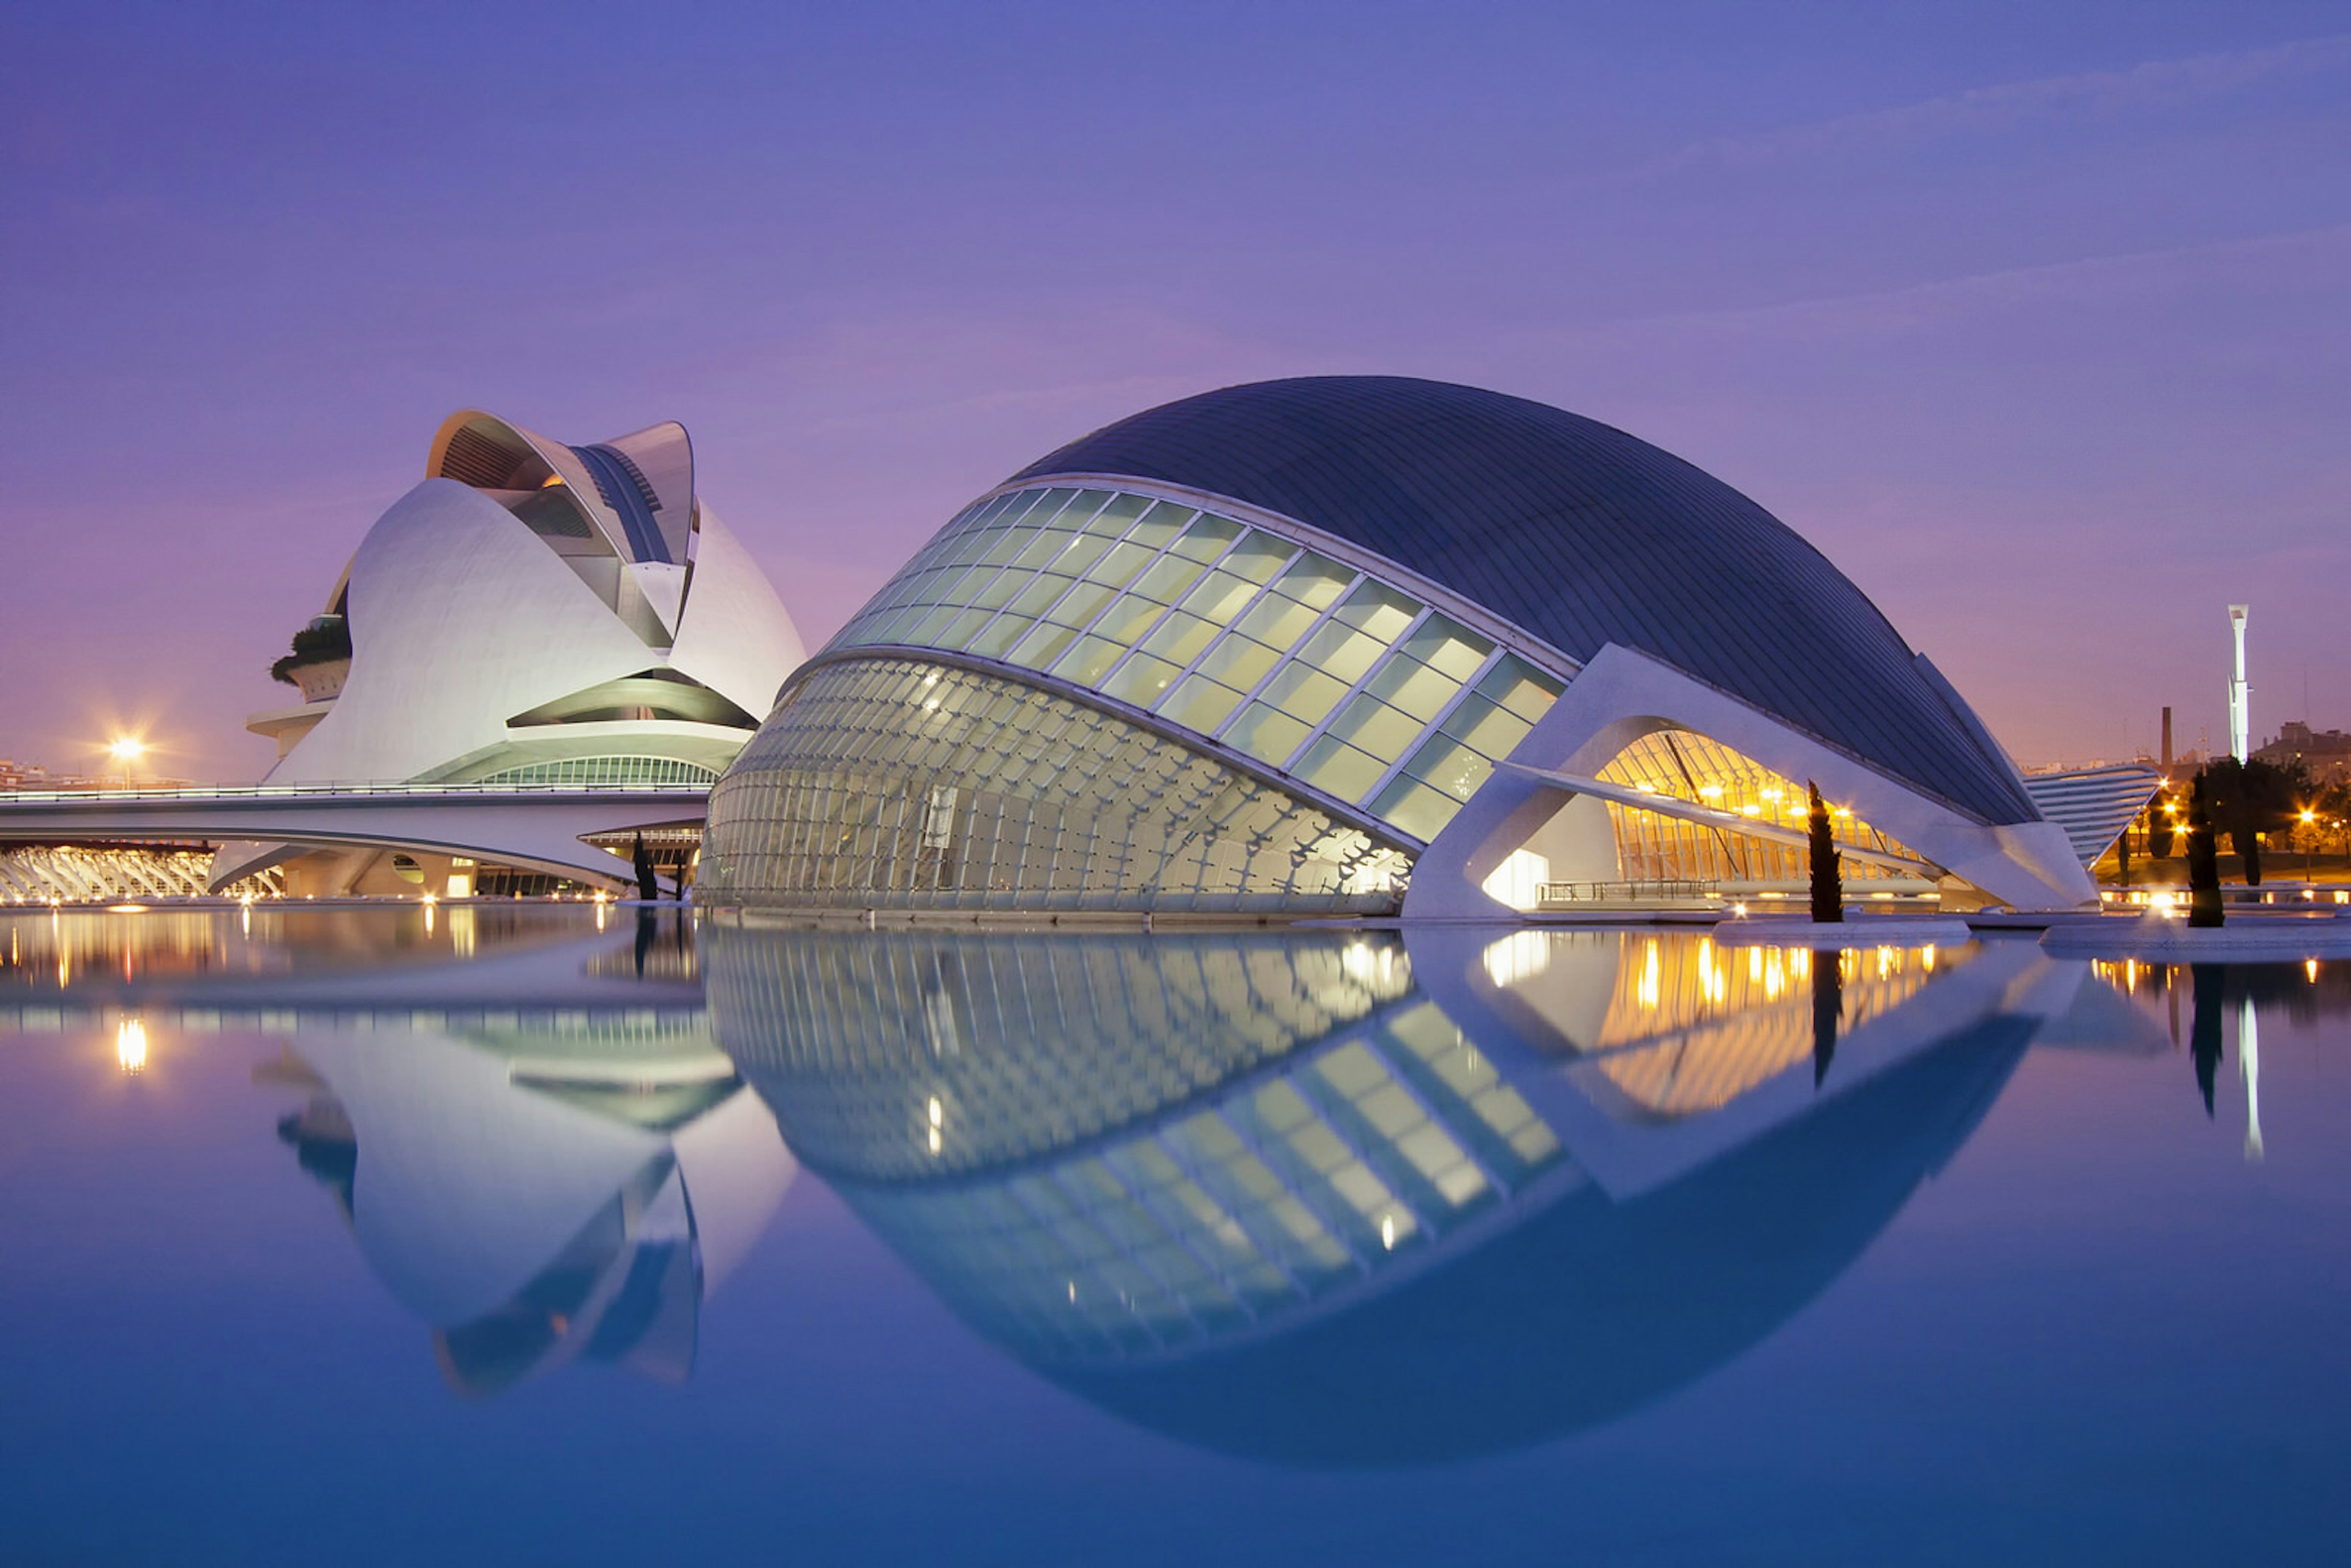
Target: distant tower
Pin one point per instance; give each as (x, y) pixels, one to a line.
(2167, 740)
(2241, 695)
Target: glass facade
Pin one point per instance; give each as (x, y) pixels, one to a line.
(71, 874)
(1297, 661)
(604, 770)
(1685, 765)
(895, 782)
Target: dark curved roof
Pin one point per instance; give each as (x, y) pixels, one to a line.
(1581, 534)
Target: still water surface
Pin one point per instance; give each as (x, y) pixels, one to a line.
(529, 1234)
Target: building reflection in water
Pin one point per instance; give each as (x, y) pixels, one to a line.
(2300, 993)
(1340, 1197)
(1329, 1197)
(85, 955)
(536, 1144)
(542, 1184)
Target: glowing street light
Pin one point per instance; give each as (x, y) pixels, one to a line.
(127, 749)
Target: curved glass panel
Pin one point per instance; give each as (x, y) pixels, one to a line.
(1228, 629)
(604, 770)
(896, 783)
(1683, 765)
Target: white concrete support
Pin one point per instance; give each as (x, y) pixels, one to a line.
(1623, 695)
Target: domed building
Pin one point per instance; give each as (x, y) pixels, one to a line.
(1367, 644)
(531, 613)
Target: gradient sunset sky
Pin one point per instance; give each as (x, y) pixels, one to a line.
(2037, 318)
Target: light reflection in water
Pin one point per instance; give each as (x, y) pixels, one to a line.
(560, 1164)
(1329, 1196)
(1261, 1190)
(130, 1045)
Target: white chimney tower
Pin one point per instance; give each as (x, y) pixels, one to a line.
(2241, 695)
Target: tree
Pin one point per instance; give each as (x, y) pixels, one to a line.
(648, 886)
(326, 639)
(2332, 806)
(2203, 862)
(2249, 799)
(1828, 896)
(2159, 830)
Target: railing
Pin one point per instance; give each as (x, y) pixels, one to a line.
(1696, 894)
(301, 791)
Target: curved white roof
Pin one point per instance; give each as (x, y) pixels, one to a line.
(488, 606)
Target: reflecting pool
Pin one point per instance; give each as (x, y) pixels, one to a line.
(518, 1233)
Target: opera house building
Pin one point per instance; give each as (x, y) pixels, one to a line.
(532, 613)
(1359, 646)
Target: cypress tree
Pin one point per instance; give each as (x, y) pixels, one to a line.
(2203, 862)
(1828, 896)
(648, 888)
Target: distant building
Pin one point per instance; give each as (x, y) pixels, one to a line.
(2326, 753)
(15, 775)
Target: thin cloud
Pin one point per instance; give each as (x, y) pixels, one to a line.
(1935, 300)
(1992, 110)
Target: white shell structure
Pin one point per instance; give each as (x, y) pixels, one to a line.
(535, 612)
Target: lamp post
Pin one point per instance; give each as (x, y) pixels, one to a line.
(127, 749)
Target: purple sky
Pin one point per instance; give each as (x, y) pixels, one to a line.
(2036, 318)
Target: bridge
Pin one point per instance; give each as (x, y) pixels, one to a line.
(535, 827)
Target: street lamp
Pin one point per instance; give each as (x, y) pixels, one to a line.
(127, 749)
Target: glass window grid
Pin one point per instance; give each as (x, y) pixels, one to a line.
(970, 589)
(1428, 803)
(1058, 804)
(1684, 765)
(604, 770)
